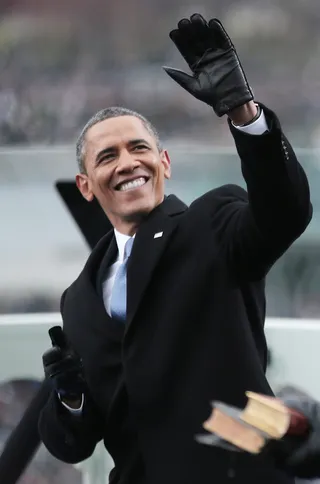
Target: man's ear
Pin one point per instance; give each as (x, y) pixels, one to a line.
(84, 187)
(165, 159)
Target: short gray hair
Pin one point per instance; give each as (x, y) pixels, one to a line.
(107, 113)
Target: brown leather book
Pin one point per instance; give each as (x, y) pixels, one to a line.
(263, 418)
(225, 423)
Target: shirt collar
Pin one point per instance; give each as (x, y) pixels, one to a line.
(121, 242)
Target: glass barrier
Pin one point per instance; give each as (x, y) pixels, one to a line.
(24, 338)
(42, 251)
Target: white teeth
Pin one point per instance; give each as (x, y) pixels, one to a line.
(132, 184)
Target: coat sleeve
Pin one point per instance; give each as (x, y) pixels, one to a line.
(68, 437)
(256, 227)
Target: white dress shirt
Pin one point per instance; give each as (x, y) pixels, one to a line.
(259, 126)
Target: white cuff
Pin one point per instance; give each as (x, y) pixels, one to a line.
(74, 411)
(259, 126)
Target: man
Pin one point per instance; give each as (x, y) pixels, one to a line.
(177, 322)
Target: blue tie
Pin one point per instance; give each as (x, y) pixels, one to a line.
(118, 303)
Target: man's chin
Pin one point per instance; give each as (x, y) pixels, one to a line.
(137, 216)
(138, 212)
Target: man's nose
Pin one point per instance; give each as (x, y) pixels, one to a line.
(126, 162)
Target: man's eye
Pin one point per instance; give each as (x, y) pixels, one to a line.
(108, 157)
(140, 148)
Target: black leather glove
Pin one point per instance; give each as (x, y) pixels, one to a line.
(218, 78)
(304, 460)
(63, 367)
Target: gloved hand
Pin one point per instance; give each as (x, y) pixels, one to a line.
(304, 460)
(218, 78)
(63, 367)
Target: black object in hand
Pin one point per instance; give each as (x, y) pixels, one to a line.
(304, 456)
(63, 367)
(218, 78)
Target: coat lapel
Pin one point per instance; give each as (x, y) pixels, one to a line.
(87, 291)
(106, 262)
(151, 240)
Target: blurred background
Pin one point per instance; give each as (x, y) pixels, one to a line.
(62, 61)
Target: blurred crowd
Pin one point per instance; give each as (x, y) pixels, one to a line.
(61, 61)
(15, 396)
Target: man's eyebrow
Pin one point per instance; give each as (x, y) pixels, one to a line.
(138, 141)
(112, 149)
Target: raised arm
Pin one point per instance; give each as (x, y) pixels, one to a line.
(258, 226)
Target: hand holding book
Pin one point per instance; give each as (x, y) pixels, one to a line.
(266, 422)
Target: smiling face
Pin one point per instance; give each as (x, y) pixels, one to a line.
(125, 171)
